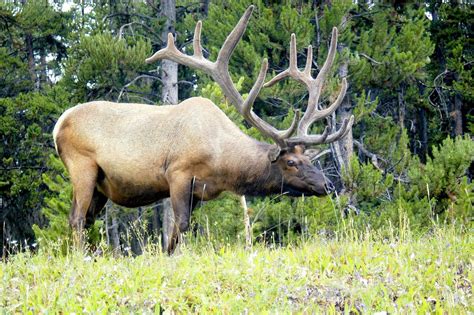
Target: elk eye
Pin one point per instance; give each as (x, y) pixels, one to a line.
(291, 163)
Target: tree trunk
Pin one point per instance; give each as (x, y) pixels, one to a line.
(113, 230)
(31, 58)
(205, 7)
(345, 145)
(423, 133)
(43, 71)
(248, 227)
(137, 238)
(169, 69)
(112, 10)
(169, 95)
(401, 108)
(457, 115)
(157, 222)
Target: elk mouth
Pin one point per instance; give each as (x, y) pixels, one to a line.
(312, 191)
(292, 192)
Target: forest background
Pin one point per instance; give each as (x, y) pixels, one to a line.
(408, 161)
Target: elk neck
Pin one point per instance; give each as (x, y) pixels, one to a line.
(260, 177)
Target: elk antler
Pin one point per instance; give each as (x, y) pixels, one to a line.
(314, 87)
(219, 71)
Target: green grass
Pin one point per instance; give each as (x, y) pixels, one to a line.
(363, 274)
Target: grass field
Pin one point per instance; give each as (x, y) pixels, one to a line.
(365, 274)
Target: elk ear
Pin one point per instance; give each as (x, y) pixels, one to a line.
(274, 153)
(299, 149)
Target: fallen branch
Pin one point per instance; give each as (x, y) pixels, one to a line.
(373, 157)
(142, 76)
(320, 154)
(122, 28)
(248, 227)
(370, 59)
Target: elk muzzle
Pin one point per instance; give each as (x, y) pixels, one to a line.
(309, 181)
(320, 185)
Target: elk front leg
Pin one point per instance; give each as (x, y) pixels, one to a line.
(178, 221)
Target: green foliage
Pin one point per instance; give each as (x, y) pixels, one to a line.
(364, 106)
(438, 191)
(102, 64)
(443, 171)
(32, 37)
(220, 221)
(368, 185)
(56, 209)
(453, 34)
(15, 78)
(385, 55)
(26, 123)
(444, 177)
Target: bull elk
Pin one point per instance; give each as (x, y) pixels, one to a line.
(136, 154)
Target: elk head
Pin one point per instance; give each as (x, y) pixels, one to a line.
(288, 159)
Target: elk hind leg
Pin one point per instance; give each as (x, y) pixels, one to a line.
(97, 204)
(83, 176)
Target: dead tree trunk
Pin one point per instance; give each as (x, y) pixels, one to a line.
(31, 58)
(43, 72)
(456, 113)
(344, 147)
(113, 236)
(423, 133)
(401, 107)
(169, 69)
(247, 226)
(169, 93)
(205, 7)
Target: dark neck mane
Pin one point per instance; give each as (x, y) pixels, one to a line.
(262, 178)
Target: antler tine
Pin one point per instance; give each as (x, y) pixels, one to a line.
(310, 139)
(329, 59)
(247, 104)
(197, 40)
(312, 113)
(277, 78)
(309, 61)
(293, 56)
(233, 39)
(293, 70)
(343, 130)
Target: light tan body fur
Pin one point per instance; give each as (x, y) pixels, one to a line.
(140, 148)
